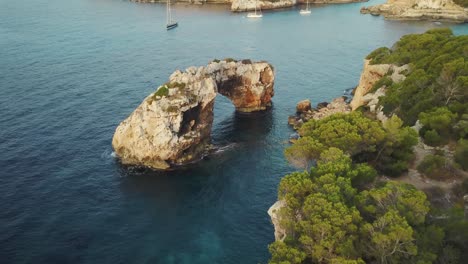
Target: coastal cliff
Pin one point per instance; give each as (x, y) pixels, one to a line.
(438, 10)
(249, 5)
(370, 75)
(172, 126)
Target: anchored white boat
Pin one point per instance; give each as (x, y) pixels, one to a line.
(305, 11)
(255, 14)
(170, 23)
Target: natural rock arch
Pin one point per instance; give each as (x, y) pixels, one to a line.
(172, 126)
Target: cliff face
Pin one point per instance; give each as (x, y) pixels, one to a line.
(439, 10)
(172, 126)
(370, 75)
(273, 212)
(249, 5)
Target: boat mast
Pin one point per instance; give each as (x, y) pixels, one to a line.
(168, 12)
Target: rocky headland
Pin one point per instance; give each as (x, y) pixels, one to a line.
(172, 126)
(436, 10)
(366, 94)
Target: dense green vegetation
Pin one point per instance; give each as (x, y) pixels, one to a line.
(339, 211)
(387, 147)
(437, 83)
(436, 167)
(331, 218)
(461, 154)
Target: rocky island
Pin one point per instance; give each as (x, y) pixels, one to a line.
(437, 10)
(172, 126)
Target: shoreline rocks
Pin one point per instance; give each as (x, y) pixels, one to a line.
(172, 126)
(434, 10)
(337, 105)
(280, 233)
(249, 5)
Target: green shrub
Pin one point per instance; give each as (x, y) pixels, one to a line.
(246, 61)
(434, 166)
(162, 91)
(439, 119)
(172, 109)
(230, 60)
(432, 138)
(172, 85)
(377, 55)
(461, 154)
(384, 81)
(216, 60)
(463, 3)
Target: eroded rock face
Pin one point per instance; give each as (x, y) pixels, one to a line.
(370, 75)
(249, 5)
(280, 233)
(337, 105)
(172, 126)
(303, 106)
(439, 10)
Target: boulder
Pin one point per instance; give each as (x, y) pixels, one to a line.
(303, 106)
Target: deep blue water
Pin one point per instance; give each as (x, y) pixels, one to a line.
(70, 71)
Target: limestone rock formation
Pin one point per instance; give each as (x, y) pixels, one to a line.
(370, 75)
(438, 10)
(303, 106)
(337, 105)
(172, 126)
(280, 233)
(249, 5)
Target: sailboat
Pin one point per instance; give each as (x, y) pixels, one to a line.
(305, 11)
(170, 24)
(255, 14)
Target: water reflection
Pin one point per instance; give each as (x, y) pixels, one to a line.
(244, 127)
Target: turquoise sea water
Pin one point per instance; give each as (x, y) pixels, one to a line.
(70, 71)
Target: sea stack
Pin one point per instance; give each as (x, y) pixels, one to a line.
(172, 126)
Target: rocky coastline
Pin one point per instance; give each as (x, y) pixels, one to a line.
(433, 10)
(366, 94)
(172, 126)
(249, 5)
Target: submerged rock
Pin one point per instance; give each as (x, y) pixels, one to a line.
(172, 126)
